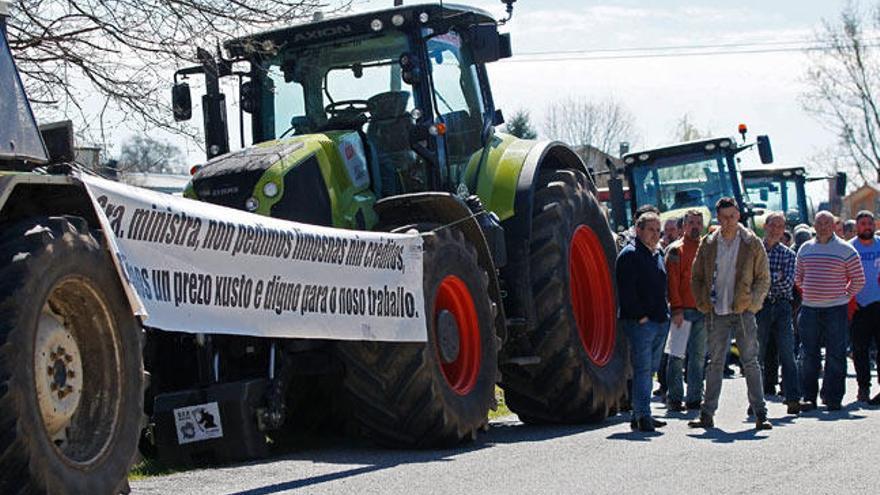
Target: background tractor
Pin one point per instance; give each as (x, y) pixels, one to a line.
(678, 177)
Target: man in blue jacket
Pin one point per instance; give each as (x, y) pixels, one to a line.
(643, 311)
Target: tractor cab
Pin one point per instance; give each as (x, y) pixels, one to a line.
(402, 93)
(690, 175)
(778, 189)
(21, 145)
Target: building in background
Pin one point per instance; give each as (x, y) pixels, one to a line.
(866, 197)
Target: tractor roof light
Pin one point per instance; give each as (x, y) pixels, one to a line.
(787, 173)
(710, 146)
(724, 144)
(424, 17)
(397, 20)
(629, 160)
(376, 25)
(251, 204)
(742, 129)
(644, 156)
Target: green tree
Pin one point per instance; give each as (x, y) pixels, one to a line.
(520, 125)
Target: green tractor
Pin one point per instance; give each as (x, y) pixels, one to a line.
(784, 189)
(690, 175)
(778, 189)
(386, 121)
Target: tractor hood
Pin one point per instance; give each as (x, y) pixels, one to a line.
(295, 178)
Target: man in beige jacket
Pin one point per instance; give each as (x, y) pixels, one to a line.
(730, 278)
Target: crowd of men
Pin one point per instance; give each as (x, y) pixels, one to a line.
(783, 298)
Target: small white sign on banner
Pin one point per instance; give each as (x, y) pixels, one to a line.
(197, 423)
(201, 268)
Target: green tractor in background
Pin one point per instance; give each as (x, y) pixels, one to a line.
(778, 189)
(683, 176)
(781, 188)
(386, 121)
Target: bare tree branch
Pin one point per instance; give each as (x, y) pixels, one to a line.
(842, 83)
(601, 124)
(111, 60)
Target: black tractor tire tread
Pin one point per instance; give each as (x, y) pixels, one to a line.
(30, 252)
(565, 387)
(397, 394)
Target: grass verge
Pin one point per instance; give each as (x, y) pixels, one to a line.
(502, 409)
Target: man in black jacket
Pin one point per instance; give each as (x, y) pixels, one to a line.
(643, 311)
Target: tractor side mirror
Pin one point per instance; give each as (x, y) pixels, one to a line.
(487, 45)
(764, 150)
(246, 96)
(497, 117)
(181, 102)
(840, 184)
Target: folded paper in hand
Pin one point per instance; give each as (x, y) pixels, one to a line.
(677, 341)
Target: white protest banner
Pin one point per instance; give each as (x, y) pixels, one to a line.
(200, 268)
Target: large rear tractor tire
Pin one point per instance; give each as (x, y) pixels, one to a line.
(71, 367)
(581, 373)
(434, 394)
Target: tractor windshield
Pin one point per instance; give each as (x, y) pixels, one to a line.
(785, 194)
(681, 182)
(334, 86)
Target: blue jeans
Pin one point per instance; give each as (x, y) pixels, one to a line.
(696, 363)
(641, 350)
(718, 330)
(826, 326)
(775, 323)
(658, 345)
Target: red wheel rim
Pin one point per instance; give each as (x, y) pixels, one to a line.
(454, 296)
(592, 297)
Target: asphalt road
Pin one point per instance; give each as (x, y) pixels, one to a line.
(819, 452)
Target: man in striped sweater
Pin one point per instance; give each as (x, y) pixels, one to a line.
(829, 273)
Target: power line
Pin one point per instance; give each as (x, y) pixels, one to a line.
(678, 47)
(563, 54)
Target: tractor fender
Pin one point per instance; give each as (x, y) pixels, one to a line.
(446, 209)
(27, 195)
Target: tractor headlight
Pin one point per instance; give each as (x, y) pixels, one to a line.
(376, 25)
(251, 204)
(270, 189)
(397, 20)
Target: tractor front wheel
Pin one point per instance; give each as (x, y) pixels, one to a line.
(71, 372)
(438, 393)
